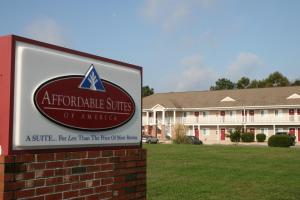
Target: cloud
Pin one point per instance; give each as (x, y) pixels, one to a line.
(169, 13)
(195, 75)
(47, 30)
(245, 64)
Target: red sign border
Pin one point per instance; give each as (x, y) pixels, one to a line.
(7, 71)
(71, 127)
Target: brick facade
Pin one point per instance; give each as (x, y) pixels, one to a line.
(84, 175)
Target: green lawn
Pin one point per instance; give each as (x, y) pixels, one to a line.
(187, 172)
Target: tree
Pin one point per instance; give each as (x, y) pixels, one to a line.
(257, 84)
(296, 82)
(223, 84)
(147, 91)
(243, 83)
(276, 79)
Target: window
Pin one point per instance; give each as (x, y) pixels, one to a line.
(278, 112)
(204, 113)
(230, 130)
(184, 114)
(205, 131)
(264, 131)
(230, 113)
(279, 130)
(263, 113)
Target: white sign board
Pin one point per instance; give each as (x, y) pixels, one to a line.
(68, 99)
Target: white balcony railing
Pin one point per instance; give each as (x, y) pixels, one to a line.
(224, 120)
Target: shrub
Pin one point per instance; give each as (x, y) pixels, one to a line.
(292, 137)
(247, 137)
(180, 134)
(261, 137)
(235, 136)
(281, 133)
(279, 141)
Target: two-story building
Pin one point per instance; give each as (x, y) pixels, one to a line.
(209, 115)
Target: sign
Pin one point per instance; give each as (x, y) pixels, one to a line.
(62, 98)
(84, 103)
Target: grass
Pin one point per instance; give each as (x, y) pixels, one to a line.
(187, 172)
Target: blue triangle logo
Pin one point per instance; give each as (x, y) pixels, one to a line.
(92, 81)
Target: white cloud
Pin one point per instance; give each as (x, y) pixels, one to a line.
(169, 13)
(194, 75)
(246, 64)
(47, 30)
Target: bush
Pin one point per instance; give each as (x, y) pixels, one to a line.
(279, 141)
(247, 137)
(235, 136)
(292, 137)
(261, 137)
(180, 134)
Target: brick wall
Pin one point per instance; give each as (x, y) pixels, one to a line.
(84, 175)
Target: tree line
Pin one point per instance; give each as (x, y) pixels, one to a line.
(275, 79)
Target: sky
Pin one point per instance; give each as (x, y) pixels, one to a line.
(182, 45)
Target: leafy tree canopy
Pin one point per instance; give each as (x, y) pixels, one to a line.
(147, 91)
(243, 83)
(223, 84)
(296, 82)
(257, 84)
(275, 79)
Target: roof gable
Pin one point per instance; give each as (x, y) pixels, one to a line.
(227, 99)
(294, 96)
(158, 107)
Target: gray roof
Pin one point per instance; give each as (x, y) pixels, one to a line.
(242, 97)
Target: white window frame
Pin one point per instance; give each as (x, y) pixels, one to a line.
(205, 131)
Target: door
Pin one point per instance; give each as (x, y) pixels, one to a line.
(298, 134)
(292, 131)
(223, 134)
(223, 116)
(291, 115)
(197, 133)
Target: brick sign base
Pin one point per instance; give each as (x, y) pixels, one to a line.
(84, 175)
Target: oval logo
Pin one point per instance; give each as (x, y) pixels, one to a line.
(84, 103)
